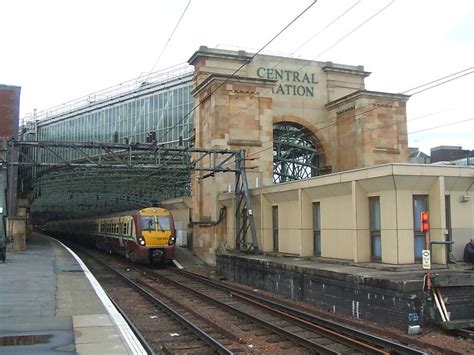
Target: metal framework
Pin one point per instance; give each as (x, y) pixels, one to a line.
(112, 177)
(295, 153)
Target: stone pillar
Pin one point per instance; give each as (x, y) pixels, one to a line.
(17, 231)
(360, 205)
(9, 119)
(234, 112)
(369, 129)
(437, 212)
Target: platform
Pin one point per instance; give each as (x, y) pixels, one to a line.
(50, 303)
(391, 295)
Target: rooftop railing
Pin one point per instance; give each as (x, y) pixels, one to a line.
(141, 83)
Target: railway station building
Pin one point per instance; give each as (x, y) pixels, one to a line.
(326, 160)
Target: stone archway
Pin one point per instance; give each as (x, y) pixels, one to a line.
(297, 153)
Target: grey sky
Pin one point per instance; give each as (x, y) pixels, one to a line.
(60, 50)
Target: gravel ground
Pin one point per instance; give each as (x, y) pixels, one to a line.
(442, 342)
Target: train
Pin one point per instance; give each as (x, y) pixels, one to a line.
(145, 236)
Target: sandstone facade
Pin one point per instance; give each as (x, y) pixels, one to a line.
(239, 97)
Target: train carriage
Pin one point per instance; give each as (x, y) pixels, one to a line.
(147, 235)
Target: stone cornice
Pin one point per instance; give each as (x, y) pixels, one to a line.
(212, 78)
(203, 51)
(346, 69)
(364, 93)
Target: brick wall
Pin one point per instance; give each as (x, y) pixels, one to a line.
(343, 296)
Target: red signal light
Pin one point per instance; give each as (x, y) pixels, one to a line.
(425, 222)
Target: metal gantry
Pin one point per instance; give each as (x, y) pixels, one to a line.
(244, 219)
(295, 153)
(112, 177)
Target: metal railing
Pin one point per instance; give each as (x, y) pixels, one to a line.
(127, 87)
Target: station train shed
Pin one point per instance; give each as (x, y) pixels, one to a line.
(290, 159)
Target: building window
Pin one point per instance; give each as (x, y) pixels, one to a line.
(275, 227)
(420, 203)
(317, 229)
(375, 235)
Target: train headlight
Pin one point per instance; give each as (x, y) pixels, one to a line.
(141, 241)
(172, 240)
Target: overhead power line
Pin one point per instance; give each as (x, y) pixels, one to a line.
(240, 67)
(440, 82)
(300, 69)
(443, 125)
(169, 39)
(327, 26)
(378, 107)
(436, 80)
(354, 29)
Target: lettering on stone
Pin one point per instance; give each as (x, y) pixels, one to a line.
(300, 83)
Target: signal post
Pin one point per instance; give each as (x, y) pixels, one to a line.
(426, 253)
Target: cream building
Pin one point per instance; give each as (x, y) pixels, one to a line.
(367, 214)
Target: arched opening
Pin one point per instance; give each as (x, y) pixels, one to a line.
(296, 153)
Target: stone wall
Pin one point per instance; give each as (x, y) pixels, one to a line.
(380, 301)
(239, 97)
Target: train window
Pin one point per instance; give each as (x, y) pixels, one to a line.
(124, 228)
(164, 223)
(147, 223)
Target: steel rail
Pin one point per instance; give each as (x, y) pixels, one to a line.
(307, 343)
(221, 349)
(328, 332)
(132, 326)
(332, 326)
(464, 332)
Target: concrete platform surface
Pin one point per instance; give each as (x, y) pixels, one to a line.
(186, 258)
(396, 277)
(50, 303)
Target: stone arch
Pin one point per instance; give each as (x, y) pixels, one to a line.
(299, 163)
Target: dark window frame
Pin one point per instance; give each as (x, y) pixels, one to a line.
(275, 229)
(375, 233)
(317, 247)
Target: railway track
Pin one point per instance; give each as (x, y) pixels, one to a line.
(308, 320)
(289, 323)
(237, 320)
(467, 333)
(161, 328)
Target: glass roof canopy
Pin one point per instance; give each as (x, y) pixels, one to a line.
(152, 110)
(154, 113)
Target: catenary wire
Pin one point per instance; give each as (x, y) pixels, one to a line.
(169, 39)
(355, 29)
(444, 125)
(334, 44)
(327, 26)
(443, 82)
(370, 110)
(240, 67)
(436, 80)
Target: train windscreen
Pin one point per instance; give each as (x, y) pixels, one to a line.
(155, 223)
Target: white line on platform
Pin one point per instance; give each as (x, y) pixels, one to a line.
(178, 265)
(127, 333)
